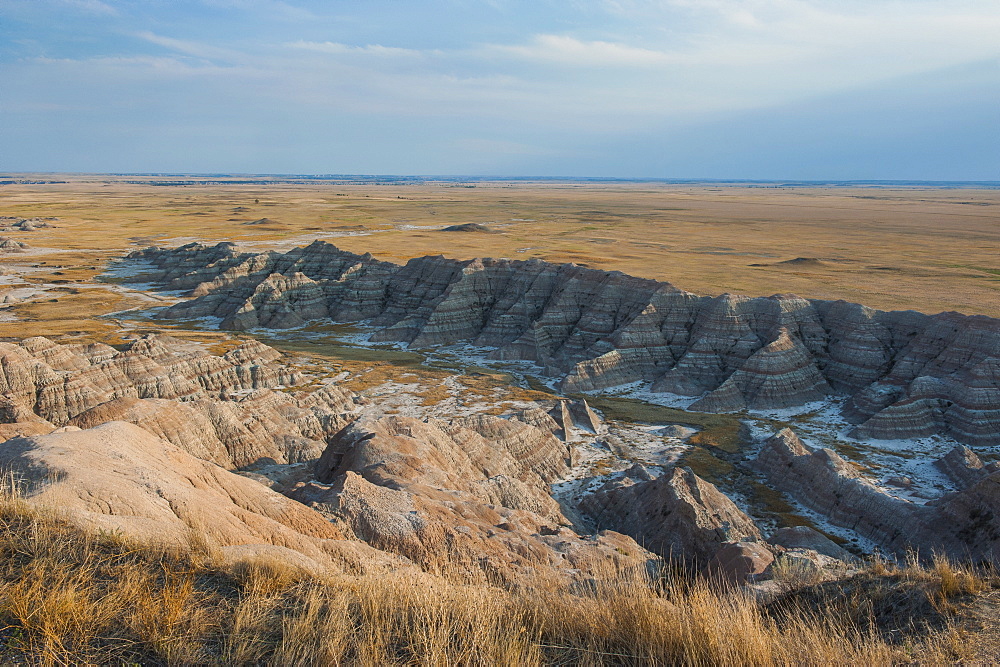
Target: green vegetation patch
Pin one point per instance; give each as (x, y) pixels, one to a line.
(721, 431)
(707, 466)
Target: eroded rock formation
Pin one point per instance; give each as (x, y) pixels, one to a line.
(677, 515)
(904, 373)
(963, 525)
(120, 478)
(965, 468)
(218, 408)
(470, 495)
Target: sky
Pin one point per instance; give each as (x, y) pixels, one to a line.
(719, 89)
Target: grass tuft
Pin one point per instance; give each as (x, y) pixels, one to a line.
(69, 596)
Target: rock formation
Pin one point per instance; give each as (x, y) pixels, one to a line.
(470, 496)
(826, 483)
(11, 245)
(904, 373)
(963, 525)
(804, 537)
(567, 417)
(678, 515)
(219, 408)
(740, 561)
(964, 467)
(118, 477)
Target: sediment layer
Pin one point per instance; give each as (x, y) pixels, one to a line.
(905, 373)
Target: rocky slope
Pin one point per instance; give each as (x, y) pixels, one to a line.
(905, 373)
(120, 478)
(163, 421)
(470, 496)
(678, 515)
(219, 408)
(964, 524)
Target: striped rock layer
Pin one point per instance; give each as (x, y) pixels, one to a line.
(220, 408)
(469, 495)
(964, 525)
(906, 373)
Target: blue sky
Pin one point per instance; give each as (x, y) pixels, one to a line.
(765, 89)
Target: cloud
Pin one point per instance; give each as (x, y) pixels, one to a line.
(190, 48)
(93, 6)
(270, 8)
(511, 79)
(337, 48)
(565, 50)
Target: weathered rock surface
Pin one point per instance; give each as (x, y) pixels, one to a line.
(570, 416)
(470, 495)
(13, 223)
(219, 408)
(740, 561)
(804, 537)
(119, 477)
(826, 483)
(905, 373)
(11, 245)
(963, 525)
(678, 514)
(964, 467)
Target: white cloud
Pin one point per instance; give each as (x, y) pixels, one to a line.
(191, 48)
(338, 48)
(567, 50)
(272, 8)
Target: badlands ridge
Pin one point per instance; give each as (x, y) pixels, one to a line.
(906, 374)
(264, 458)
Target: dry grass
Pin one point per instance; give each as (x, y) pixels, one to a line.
(907, 248)
(924, 249)
(68, 597)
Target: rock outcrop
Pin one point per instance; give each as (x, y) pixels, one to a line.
(470, 496)
(965, 468)
(11, 245)
(826, 483)
(677, 515)
(904, 373)
(804, 537)
(740, 562)
(118, 477)
(964, 525)
(219, 408)
(571, 416)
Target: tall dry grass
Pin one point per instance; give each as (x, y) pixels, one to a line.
(69, 597)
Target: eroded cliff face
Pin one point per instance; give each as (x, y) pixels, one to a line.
(470, 495)
(221, 409)
(964, 525)
(906, 374)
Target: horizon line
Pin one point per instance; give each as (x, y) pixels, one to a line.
(7, 175)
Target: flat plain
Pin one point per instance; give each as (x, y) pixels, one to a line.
(922, 248)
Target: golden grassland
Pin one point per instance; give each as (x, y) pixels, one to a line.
(72, 597)
(920, 248)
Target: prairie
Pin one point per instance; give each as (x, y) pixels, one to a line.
(927, 249)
